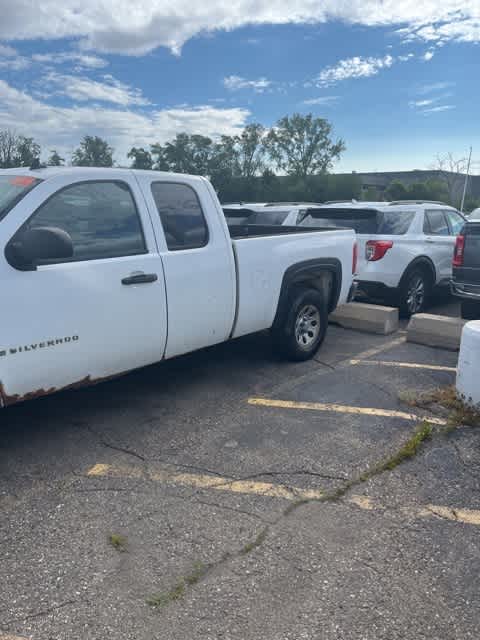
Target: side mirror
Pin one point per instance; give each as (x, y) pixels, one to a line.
(27, 249)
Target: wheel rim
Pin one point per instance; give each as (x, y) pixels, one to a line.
(415, 294)
(307, 326)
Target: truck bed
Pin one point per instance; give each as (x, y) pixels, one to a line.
(241, 231)
(263, 253)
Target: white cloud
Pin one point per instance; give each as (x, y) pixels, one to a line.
(17, 63)
(85, 89)
(422, 103)
(435, 86)
(82, 60)
(138, 26)
(440, 108)
(235, 83)
(7, 51)
(63, 127)
(428, 55)
(323, 101)
(356, 67)
(406, 57)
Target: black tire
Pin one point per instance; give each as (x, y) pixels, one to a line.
(414, 291)
(304, 327)
(470, 310)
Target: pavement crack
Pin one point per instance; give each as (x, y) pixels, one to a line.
(114, 447)
(301, 472)
(38, 614)
(235, 510)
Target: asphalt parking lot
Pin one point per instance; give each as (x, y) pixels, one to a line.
(219, 496)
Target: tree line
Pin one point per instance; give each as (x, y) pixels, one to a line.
(291, 161)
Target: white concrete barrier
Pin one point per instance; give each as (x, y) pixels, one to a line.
(468, 376)
(366, 317)
(435, 331)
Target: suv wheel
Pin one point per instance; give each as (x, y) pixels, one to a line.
(305, 325)
(414, 292)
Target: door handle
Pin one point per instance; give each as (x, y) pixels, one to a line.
(430, 240)
(140, 278)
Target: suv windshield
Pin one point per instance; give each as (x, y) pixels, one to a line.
(13, 189)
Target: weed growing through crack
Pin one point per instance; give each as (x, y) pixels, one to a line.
(118, 542)
(460, 413)
(250, 546)
(178, 591)
(407, 451)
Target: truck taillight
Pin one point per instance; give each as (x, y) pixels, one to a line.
(354, 258)
(376, 249)
(459, 252)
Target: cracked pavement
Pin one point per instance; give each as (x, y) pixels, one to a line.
(387, 560)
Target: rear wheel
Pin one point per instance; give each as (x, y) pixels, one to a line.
(470, 310)
(305, 325)
(414, 292)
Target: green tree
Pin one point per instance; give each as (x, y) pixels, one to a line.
(370, 195)
(93, 152)
(142, 158)
(55, 159)
(27, 152)
(302, 145)
(250, 150)
(8, 149)
(185, 154)
(396, 190)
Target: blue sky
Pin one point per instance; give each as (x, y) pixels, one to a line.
(397, 79)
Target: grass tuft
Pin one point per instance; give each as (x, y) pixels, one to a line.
(118, 542)
(460, 412)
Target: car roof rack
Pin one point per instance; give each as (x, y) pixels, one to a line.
(444, 204)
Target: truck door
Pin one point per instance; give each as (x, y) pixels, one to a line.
(197, 255)
(97, 314)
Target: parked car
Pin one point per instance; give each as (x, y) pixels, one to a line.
(466, 270)
(475, 215)
(405, 248)
(107, 270)
(284, 213)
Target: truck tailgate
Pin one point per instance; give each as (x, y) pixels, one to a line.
(262, 262)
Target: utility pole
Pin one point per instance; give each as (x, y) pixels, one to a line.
(466, 180)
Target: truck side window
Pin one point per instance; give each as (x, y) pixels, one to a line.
(101, 218)
(181, 214)
(435, 223)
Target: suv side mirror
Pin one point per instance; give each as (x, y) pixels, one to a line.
(25, 250)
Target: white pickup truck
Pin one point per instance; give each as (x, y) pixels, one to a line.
(108, 270)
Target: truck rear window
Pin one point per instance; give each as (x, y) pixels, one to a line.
(13, 189)
(362, 221)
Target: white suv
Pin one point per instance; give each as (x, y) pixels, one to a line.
(405, 247)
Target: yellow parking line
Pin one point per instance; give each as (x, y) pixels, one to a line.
(369, 353)
(200, 481)
(340, 408)
(466, 516)
(270, 490)
(406, 365)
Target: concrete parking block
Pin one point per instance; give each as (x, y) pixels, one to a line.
(435, 331)
(366, 317)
